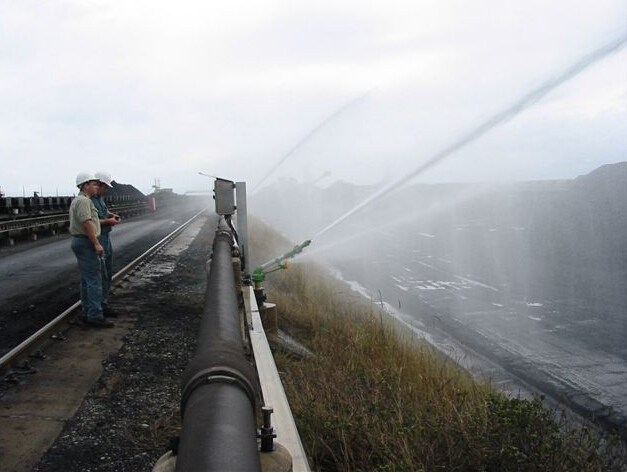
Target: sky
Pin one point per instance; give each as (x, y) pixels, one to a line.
(364, 92)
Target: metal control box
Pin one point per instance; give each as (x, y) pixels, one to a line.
(224, 195)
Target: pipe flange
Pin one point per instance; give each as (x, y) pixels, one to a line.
(218, 374)
(223, 234)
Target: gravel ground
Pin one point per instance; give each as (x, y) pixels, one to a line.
(129, 416)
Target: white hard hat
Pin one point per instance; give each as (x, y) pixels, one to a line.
(84, 177)
(104, 177)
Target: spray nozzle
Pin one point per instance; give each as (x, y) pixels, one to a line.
(259, 273)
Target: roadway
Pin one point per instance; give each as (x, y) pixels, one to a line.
(40, 279)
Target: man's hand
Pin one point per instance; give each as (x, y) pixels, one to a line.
(91, 234)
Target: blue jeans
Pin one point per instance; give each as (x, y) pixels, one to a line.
(89, 264)
(107, 270)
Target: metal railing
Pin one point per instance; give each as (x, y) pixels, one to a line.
(272, 391)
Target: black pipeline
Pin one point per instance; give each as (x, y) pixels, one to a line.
(219, 387)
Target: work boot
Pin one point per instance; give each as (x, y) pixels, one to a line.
(108, 312)
(100, 323)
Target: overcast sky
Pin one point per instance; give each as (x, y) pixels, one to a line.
(162, 90)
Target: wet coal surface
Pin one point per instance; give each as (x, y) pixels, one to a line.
(529, 278)
(557, 337)
(129, 417)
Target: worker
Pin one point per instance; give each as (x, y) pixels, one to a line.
(85, 229)
(108, 220)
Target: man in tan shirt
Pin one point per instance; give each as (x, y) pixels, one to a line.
(85, 228)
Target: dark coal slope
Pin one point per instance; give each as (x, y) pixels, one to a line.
(575, 231)
(532, 275)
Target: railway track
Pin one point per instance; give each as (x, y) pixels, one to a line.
(108, 400)
(16, 360)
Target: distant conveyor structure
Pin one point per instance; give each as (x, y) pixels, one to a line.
(31, 217)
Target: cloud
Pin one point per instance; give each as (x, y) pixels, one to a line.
(164, 90)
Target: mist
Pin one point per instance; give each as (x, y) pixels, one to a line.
(252, 92)
(529, 275)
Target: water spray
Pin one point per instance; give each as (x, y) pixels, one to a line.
(499, 118)
(321, 125)
(433, 209)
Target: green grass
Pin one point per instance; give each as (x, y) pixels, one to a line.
(373, 398)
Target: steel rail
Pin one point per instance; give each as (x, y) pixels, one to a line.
(42, 335)
(153, 249)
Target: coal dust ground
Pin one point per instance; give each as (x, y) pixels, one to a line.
(127, 419)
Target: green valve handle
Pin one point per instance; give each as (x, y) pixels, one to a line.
(258, 274)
